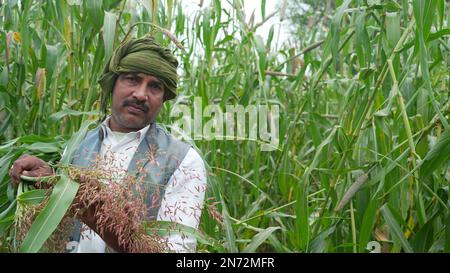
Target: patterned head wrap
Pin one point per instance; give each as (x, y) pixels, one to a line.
(142, 55)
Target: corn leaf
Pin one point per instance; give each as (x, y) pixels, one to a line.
(259, 238)
(437, 156)
(395, 228)
(48, 219)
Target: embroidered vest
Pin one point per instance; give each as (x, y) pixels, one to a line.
(157, 157)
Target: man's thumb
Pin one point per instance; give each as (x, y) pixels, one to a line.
(30, 173)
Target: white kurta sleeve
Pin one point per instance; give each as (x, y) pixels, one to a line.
(183, 200)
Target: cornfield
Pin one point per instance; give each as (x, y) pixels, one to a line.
(364, 141)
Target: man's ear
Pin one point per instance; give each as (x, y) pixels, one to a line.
(114, 85)
(168, 95)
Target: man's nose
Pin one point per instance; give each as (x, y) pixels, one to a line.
(140, 92)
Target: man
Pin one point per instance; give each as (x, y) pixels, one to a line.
(141, 75)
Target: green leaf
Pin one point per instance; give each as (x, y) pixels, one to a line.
(69, 112)
(270, 38)
(5, 224)
(7, 146)
(30, 139)
(428, 16)
(433, 36)
(423, 239)
(147, 5)
(438, 34)
(336, 28)
(8, 211)
(424, 15)
(5, 162)
(318, 244)
(229, 86)
(10, 191)
(62, 196)
(441, 6)
(165, 228)
(52, 58)
(258, 239)
(447, 234)
(362, 45)
(73, 143)
(48, 219)
(368, 220)
(229, 233)
(32, 196)
(395, 228)
(263, 9)
(302, 211)
(392, 29)
(95, 13)
(391, 6)
(44, 147)
(262, 55)
(109, 33)
(438, 154)
(4, 77)
(207, 31)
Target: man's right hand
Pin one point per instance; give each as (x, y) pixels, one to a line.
(29, 166)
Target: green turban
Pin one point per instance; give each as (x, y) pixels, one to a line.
(142, 55)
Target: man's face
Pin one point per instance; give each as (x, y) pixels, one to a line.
(137, 99)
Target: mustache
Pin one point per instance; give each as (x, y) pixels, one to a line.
(137, 104)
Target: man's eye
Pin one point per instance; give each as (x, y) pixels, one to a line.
(156, 86)
(131, 79)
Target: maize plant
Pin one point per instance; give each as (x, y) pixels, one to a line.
(362, 157)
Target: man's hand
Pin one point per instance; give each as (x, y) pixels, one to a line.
(83, 202)
(29, 166)
(88, 216)
(32, 166)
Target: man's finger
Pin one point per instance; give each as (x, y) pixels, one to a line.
(12, 175)
(25, 163)
(35, 173)
(15, 172)
(31, 163)
(41, 171)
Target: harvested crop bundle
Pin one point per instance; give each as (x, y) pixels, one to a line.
(118, 207)
(26, 215)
